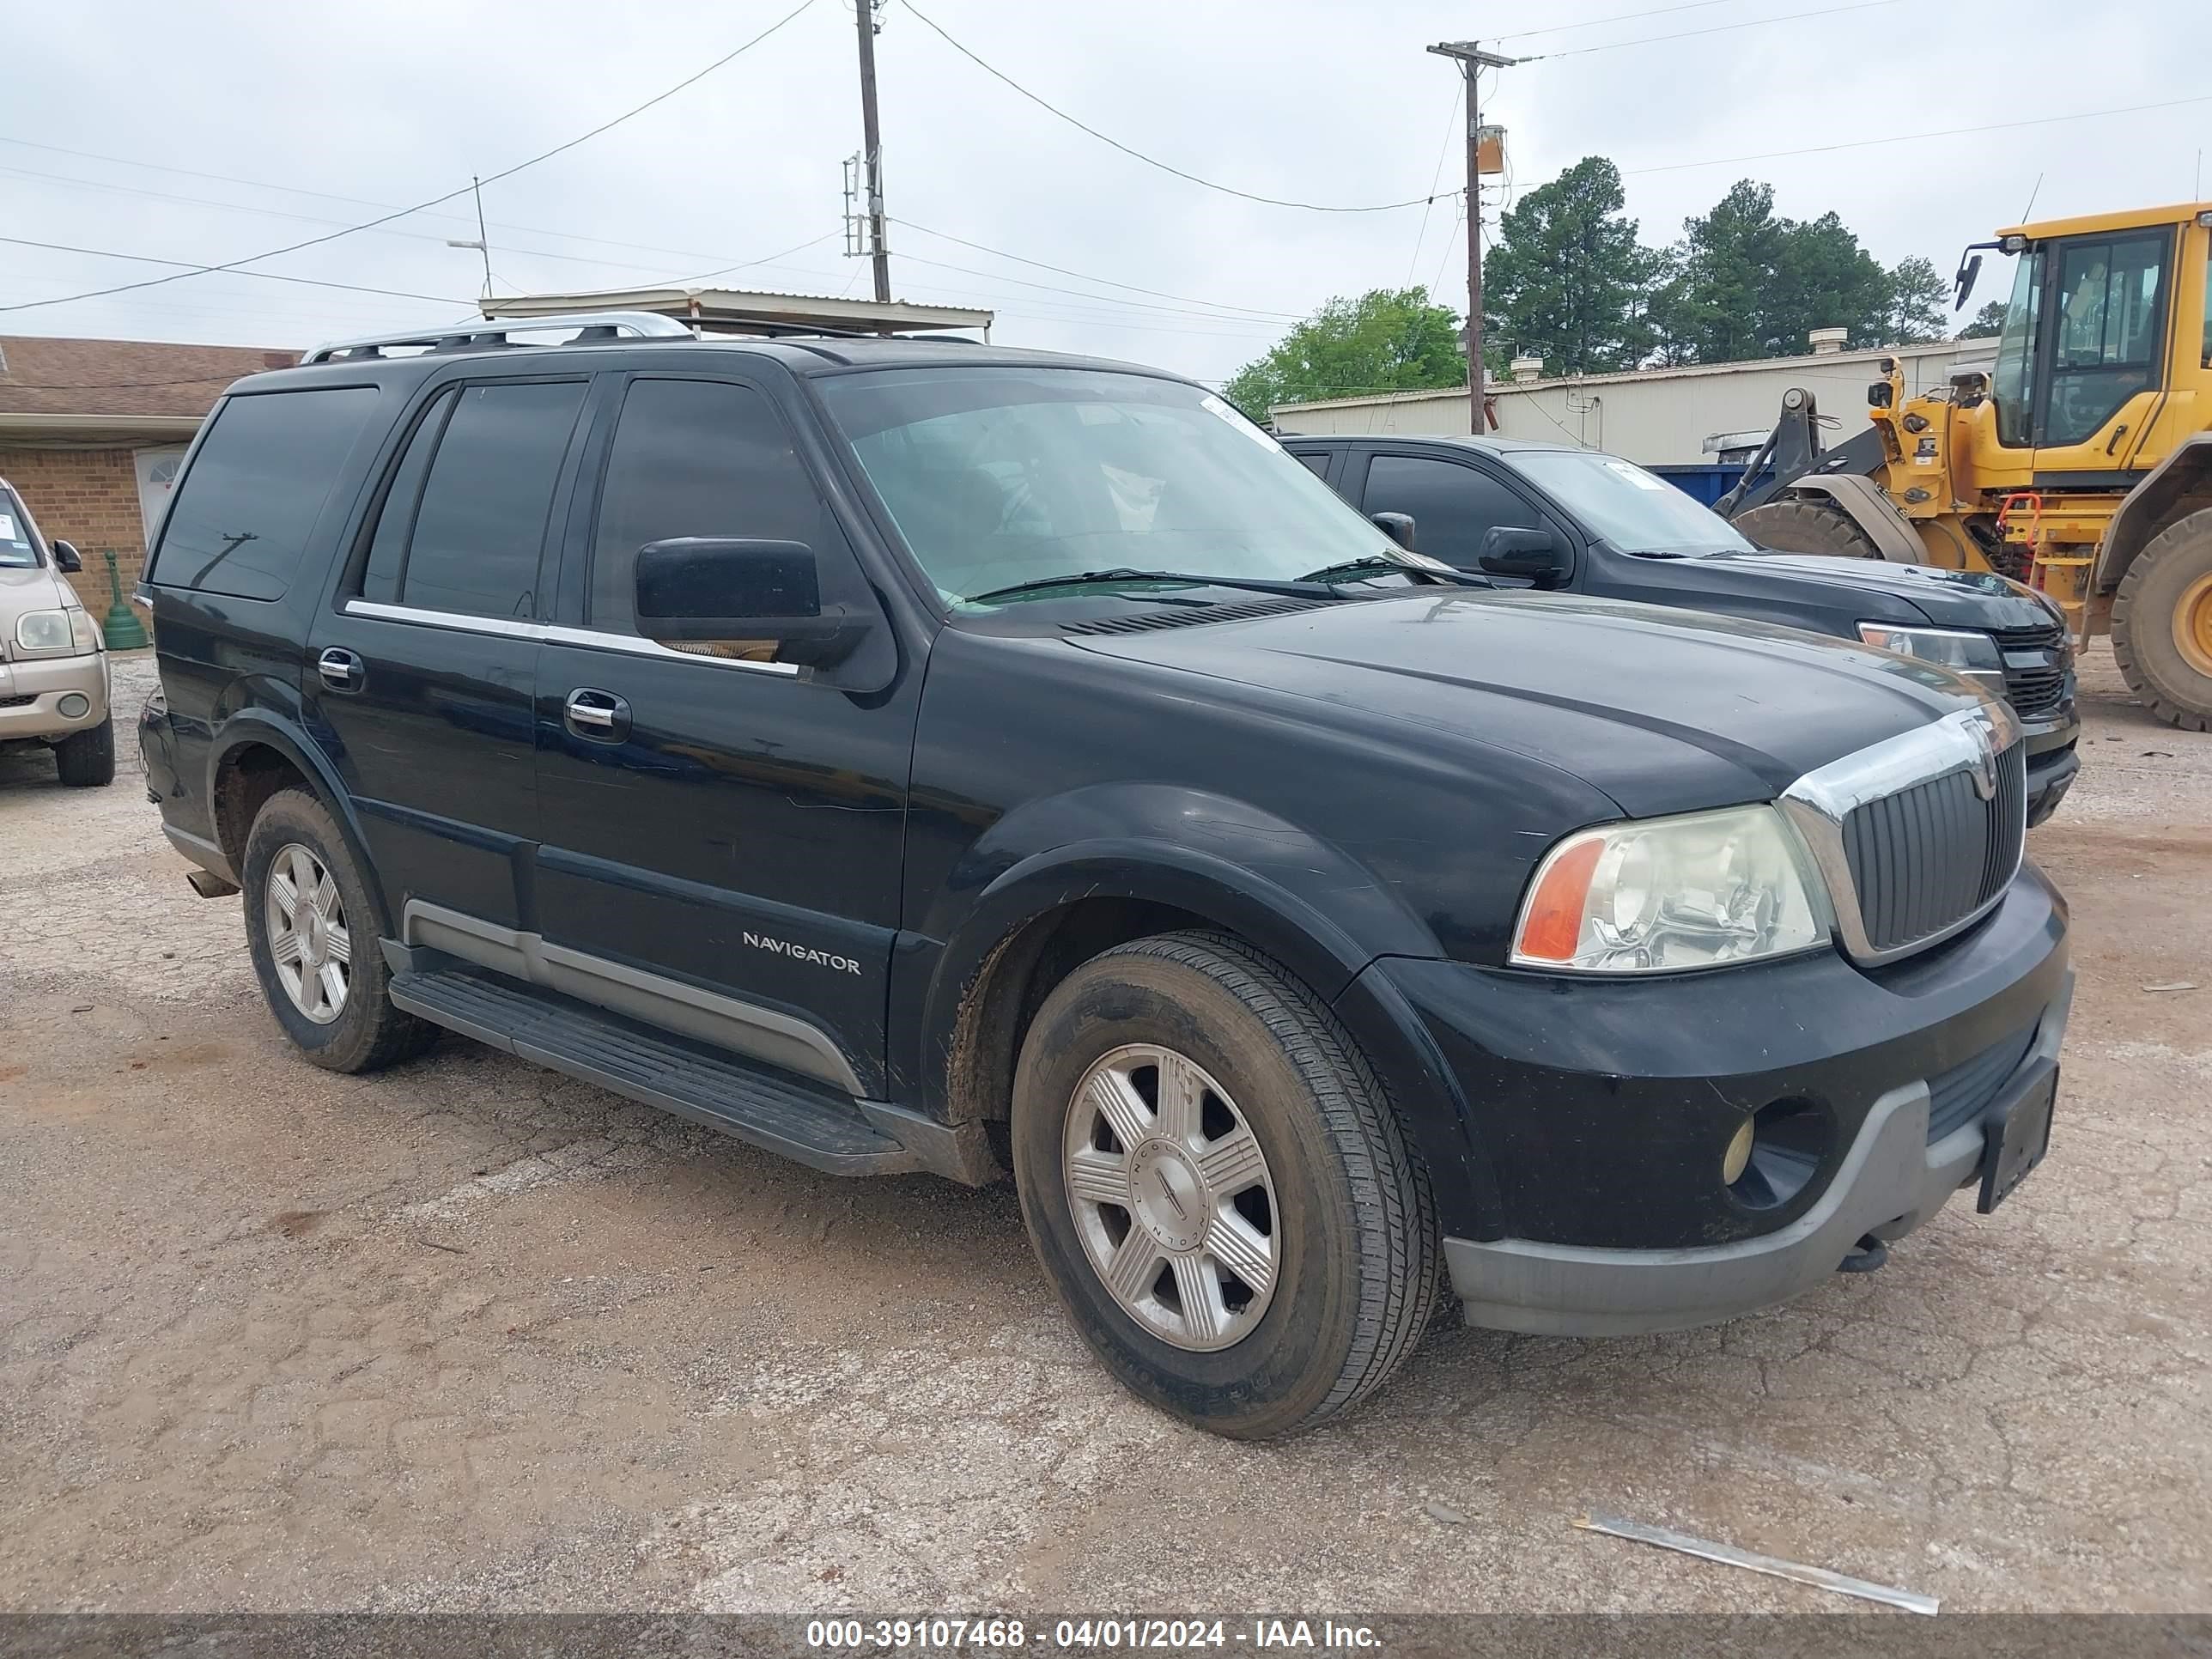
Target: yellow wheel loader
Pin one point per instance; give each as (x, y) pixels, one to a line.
(2080, 465)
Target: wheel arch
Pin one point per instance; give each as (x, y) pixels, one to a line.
(1864, 503)
(258, 753)
(1044, 913)
(2177, 486)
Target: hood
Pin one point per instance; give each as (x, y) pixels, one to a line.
(1663, 710)
(28, 588)
(1948, 598)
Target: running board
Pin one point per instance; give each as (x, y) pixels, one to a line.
(812, 1125)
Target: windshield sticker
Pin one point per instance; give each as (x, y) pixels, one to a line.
(1213, 405)
(1635, 475)
(8, 529)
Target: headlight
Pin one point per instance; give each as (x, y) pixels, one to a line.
(1672, 893)
(1964, 650)
(71, 630)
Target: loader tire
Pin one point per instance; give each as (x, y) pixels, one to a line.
(2162, 623)
(1798, 525)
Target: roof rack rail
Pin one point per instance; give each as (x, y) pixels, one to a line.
(472, 332)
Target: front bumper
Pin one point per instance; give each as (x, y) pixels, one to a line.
(1896, 1177)
(1597, 1114)
(32, 693)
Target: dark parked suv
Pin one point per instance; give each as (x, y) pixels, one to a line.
(914, 755)
(1572, 521)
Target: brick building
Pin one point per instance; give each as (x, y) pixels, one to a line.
(91, 432)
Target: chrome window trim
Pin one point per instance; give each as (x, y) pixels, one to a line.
(1818, 804)
(553, 634)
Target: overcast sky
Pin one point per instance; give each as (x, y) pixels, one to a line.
(392, 101)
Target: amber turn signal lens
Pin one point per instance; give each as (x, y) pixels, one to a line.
(1552, 922)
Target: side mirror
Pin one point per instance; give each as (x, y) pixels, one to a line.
(67, 558)
(1964, 281)
(728, 587)
(1398, 526)
(1513, 550)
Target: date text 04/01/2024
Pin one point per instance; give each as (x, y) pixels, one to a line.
(1087, 1634)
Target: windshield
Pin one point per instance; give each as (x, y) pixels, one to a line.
(1622, 503)
(16, 552)
(1004, 476)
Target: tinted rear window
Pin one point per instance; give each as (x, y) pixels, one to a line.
(244, 509)
(481, 527)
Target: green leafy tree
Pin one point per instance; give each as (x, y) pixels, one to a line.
(1747, 284)
(1988, 323)
(1710, 310)
(1919, 302)
(1386, 340)
(1568, 280)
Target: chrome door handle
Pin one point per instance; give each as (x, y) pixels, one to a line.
(595, 713)
(340, 670)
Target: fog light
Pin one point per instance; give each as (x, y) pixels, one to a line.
(1737, 1156)
(1791, 1140)
(74, 705)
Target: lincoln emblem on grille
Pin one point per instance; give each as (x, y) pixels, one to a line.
(1984, 771)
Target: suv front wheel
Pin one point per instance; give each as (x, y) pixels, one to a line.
(310, 927)
(1215, 1182)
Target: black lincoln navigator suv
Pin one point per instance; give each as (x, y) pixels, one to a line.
(914, 755)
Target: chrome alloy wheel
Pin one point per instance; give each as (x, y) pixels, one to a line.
(1171, 1197)
(307, 938)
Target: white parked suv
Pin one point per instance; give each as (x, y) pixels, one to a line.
(53, 667)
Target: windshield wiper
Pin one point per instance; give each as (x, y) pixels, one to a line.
(1306, 589)
(1333, 573)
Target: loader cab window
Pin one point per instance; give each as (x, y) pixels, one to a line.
(2207, 311)
(2012, 385)
(2108, 296)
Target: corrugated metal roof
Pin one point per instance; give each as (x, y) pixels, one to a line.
(735, 309)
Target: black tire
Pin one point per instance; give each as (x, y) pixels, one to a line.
(86, 759)
(369, 1032)
(1796, 525)
(1353, 1223)
(2172, 571)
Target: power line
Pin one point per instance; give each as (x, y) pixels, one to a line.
(1452, 131)
(1717, 28)
(508, 173)
(1153, 160)
(1084, 276)
(328, 196)
(1126, 306)
(145, 260)
(1914, 137)
(768, 259)
(1618, 17)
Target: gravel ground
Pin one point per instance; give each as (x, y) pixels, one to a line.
(469, 1335)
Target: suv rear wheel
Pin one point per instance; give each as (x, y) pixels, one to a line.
(1217, 1186)
(310, 927)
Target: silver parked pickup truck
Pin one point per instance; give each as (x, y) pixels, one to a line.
(53, 667)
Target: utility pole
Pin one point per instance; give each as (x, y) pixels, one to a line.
(864, 14)
(1473, 60)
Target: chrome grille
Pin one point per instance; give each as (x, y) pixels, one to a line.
(1928, 857)
(1908, 846)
